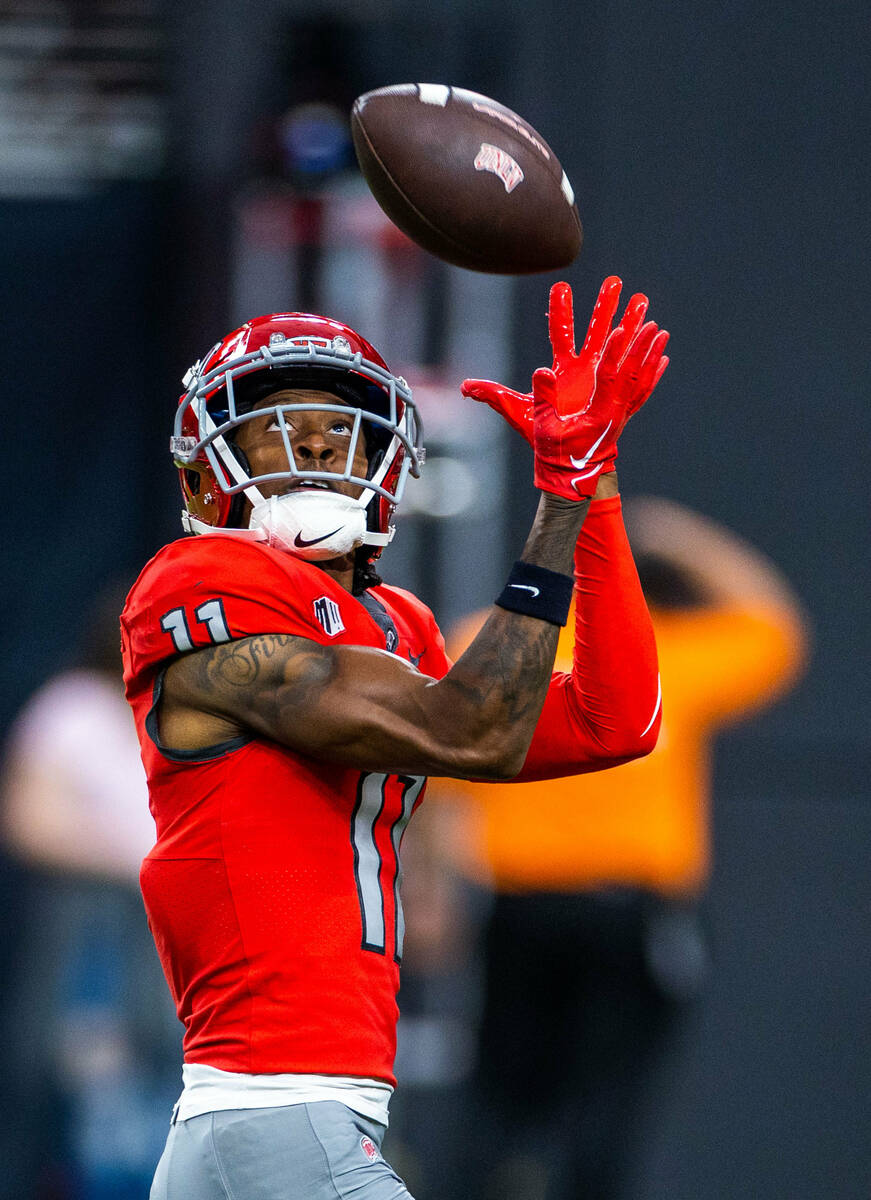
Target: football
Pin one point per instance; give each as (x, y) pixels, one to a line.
(466, 178)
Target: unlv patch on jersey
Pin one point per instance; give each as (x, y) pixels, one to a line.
(328, 616)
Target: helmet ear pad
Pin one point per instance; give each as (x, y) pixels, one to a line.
(386, 508)
(202, 497)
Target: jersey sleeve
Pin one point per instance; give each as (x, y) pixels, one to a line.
(201, 591)
(607, 710)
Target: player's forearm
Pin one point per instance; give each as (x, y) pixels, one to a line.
(554, 534)
(494, 693)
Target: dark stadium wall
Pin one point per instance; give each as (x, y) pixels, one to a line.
(81, 289)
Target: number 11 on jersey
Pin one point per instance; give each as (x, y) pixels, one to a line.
(210, 613)
(369, 867)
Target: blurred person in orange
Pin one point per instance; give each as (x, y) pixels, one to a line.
(593, 945)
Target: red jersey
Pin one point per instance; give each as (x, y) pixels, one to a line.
(273, 889)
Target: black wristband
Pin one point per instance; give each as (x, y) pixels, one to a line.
(537, 592)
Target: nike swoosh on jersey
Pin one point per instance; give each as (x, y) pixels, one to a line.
(526, 587)
(579, 463)
(301, 541)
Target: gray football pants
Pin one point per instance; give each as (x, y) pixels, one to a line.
(320, 1151)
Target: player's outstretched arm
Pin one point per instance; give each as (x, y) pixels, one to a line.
(369, 709)
(608, 709)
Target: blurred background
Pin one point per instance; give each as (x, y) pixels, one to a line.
(167, 171)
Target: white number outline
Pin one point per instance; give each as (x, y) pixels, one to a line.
(210, 613)
(368, 863)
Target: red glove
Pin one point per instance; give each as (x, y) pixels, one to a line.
(577, 410)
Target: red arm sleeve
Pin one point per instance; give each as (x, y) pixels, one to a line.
(607, 710)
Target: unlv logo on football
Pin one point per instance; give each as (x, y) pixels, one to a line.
(491, 158)
(328, 615)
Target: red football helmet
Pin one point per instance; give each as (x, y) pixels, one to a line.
(280, 351)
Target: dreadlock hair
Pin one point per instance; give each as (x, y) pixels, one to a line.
(365, 575)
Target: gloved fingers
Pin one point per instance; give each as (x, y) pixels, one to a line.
(600, 322)
(616, 347)
(491, 392)
(653, 355)
(513, 406)
(651, 370)
(561, 323)
(621, 338)
(639, 349)
(659, 344)
(632, 319)
(544, 387)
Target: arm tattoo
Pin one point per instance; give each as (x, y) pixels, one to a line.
(271, 670)
(241, 662)
(509, 664)
(508, 667)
